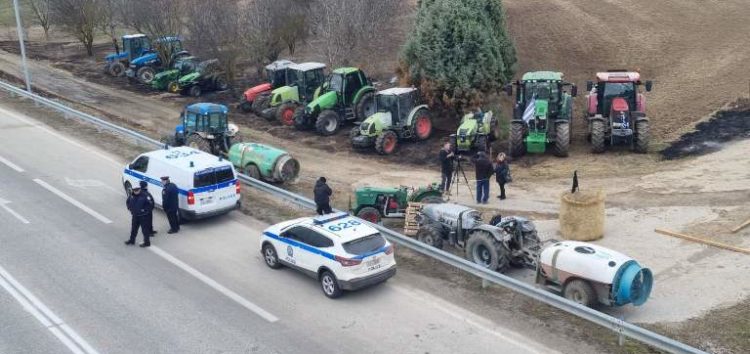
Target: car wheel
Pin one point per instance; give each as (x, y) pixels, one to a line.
(330, 285)
(270, 257)
(128, 189)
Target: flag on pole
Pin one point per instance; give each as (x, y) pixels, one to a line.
(528, 114)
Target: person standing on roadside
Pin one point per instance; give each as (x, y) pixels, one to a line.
(139, 206)
(446, 167)
(170, 204)
(502, 173)
(144, 190)
(484, 171)
(322, 193)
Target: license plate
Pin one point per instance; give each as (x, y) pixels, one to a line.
(372, 262)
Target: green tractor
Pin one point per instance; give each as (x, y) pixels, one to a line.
(208, 75)
(542, 113)
(304, 83)
(181, 67)
(476, 132)
(375, 203)
(349, 96)
(399, 116)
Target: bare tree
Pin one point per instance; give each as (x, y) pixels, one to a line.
(81, 18)
(344, 27)
(157, 19)
(214, 27)
(41, 10)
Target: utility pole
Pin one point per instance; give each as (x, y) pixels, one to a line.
(19, 29)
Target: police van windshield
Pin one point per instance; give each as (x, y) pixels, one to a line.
(365, 244)
(213, 176)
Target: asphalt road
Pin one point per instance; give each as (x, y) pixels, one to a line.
(67, 282)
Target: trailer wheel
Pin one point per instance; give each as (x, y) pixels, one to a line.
(579, 291)
(484, 250)
(430, 235)
(252, 171)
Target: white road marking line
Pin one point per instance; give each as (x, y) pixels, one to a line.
(216, 286)
(40, 125)
(70, 200)
(11, 165)
(472, 319)
(44, 315)
(12, 212)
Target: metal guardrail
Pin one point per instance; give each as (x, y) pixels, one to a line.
(621, 327)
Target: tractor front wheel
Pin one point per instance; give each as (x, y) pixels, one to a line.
(327, 123)
(116, 69)
(386, 143)
(431, 236)
(421, 126)
(195, 141)
(562, 139)
(516, 140)
(597, 136)
(642, 136)
(195, 91)
(285, 113)
(484, 250)
(221, 83)
(370, 214)
(174, 87)
(246, 107)
(366, 106)
(260, 103)
(300, 121)
(146, 74)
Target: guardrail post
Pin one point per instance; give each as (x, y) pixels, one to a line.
(485, 284)
(620, 331)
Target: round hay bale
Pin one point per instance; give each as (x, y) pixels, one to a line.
(582, 215)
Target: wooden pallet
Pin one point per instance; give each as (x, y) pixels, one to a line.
(410, 220)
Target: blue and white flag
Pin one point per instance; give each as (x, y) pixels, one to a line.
(528, 114)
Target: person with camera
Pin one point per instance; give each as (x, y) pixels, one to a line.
(447, 157)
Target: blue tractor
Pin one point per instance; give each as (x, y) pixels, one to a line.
(133, 46)
(144, 68)
(205, 126)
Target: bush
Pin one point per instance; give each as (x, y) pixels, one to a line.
(458, 52)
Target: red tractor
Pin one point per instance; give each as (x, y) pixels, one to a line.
(616, 111)
(257, 96)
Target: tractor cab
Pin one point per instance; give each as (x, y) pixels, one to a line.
(307, 78)
(205, 118)
(374, 203)
(346, 83)
(619, 85)
(135, 45)
(398, 101)
(276, 73)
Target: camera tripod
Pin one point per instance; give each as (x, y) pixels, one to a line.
(459, 169)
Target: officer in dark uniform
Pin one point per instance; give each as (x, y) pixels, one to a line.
(144, 190)
(140, 206)
(169, 201)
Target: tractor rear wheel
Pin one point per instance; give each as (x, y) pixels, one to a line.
(300, 122)
(116, 69)
(195, 91)
(579, 291)
(484, 250)
(327, 123)
(195, 141)
(366, 106)
(642, 136)
(370, 214)
(260, 103)
(516, 139)
(597, 136)
(421, 126)
(562, 139)
(246, 107)
(146, 75)
(430, 235)
(386, 143)
(285, 113)
(252, 171)
(221, 83)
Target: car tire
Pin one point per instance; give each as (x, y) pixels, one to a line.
(270, 257)
(579, 291)
(330, 285)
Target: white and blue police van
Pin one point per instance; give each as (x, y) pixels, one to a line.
(207, 184)
(341, 251)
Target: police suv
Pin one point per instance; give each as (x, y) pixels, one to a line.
(207, 184)
(341, 251)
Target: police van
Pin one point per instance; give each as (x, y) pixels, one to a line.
(207, 184)
(341, 251)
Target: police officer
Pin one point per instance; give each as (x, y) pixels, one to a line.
(322, 193)
(140, 206)
(144, 190)
(169, 201)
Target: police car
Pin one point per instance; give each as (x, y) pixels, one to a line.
(341, 251)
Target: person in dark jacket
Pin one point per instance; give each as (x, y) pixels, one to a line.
(144, 190)
(446, 167)
(139, 206)
(322, 194)
(484, 171)
(502, 173)
(170, 204)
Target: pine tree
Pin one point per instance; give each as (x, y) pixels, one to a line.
(458, 51)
